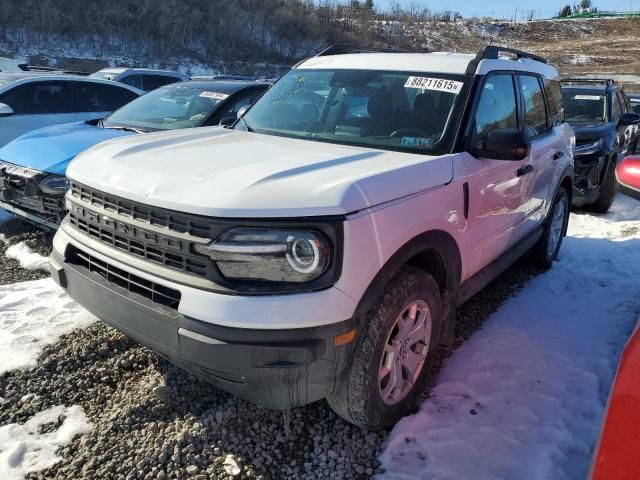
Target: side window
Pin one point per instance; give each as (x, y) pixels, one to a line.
(554, 100)
(95, 97)
(151, 82)
(617, 108)
(133, 81)
(496, 108)
(535, 113)
(40, 98)
(232, 109)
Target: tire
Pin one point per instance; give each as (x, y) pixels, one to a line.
(358, 397)
(546, 249)
(607, 191)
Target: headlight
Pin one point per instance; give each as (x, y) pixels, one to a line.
(270, 255)
(588, 148)
(55, 185)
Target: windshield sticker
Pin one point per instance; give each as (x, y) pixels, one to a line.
(439, 84)
(587, 97)
(417, 142)
(216, 95)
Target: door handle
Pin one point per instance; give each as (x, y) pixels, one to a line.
(558, 155)
(524, 170)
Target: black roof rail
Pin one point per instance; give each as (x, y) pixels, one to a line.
(346, 49)
(40, 68)
(492, 52)
(609, 82)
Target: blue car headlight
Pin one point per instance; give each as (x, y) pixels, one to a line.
(55, 185)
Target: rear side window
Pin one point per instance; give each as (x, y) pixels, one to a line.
(151, 82)
(535, 112)
(496, 108)
(95, 97)
(134, 81)
(40, 98)
(554, 101)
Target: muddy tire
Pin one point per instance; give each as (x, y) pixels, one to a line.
(394, 353)
(607, 191)
(546, 249)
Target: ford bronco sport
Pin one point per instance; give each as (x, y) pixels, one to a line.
(606, 131)
(319, 247)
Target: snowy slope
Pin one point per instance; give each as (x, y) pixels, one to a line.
(524, 397)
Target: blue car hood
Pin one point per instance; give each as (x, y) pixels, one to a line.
(51, 149)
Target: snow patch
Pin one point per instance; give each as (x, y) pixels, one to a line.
(525, 396)
(24, 448)
(27, 258)
(33, 315)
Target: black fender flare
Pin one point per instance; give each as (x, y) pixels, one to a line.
(447, 249)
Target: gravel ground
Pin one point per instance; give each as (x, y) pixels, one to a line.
(16, 231)
(153, 421)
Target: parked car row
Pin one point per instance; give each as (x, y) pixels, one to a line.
(316, 243)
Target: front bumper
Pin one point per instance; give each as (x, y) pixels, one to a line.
(275, 368)
(588, 173)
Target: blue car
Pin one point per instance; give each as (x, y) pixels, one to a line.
(33, 166)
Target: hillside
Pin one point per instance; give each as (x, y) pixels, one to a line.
(250, 37)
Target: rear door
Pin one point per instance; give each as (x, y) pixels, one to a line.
(499, 190)
(547, 140)
(97, 100)
(35, 105)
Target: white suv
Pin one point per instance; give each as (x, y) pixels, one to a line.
(320, 247)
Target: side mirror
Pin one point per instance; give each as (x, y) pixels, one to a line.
(629, 118)
(242, 111)
(505, 144)
(5, 110)
(227, 121)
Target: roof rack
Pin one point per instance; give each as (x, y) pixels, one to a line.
(609, 82)
(40, 68)
(492, 52)
(347, 49)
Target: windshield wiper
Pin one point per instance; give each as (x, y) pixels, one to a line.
(246, 125)
(127, 129)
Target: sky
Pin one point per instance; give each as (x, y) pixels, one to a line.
(506, 8)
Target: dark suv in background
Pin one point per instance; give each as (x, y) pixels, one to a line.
(606, 130)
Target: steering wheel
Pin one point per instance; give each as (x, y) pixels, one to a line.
(409, 132)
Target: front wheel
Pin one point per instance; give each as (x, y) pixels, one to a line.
(547, 248)
(607, 191)
(394, 354)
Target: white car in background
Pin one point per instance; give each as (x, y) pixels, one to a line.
(142, 78)
(31, 100)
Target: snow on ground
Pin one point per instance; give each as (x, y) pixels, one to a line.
(524, 397)
(27, 258)
(33, 315)
(29, 447)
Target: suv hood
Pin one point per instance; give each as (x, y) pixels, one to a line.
(227, 173)
(50, 149)
(588, 131)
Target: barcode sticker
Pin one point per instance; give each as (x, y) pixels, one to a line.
(216, 95)
(439, 84)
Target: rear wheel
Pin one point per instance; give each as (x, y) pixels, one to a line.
(607, 191)
(547, 248)
(394, 354)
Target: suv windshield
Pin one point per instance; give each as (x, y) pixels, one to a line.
(411, 112)
(584, 106)
(167, 108)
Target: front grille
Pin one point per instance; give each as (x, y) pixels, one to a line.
(158, 294)
(156, 235)
(173, 221)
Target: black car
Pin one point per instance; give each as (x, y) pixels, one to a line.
(606, 130)
(634, 101)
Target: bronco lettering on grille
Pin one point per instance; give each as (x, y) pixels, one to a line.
(126, 229)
